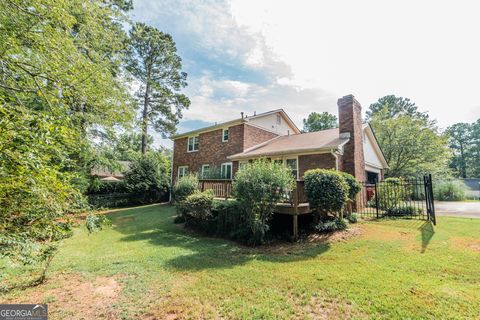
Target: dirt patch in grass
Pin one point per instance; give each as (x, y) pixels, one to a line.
(70, 296)
(466, 243)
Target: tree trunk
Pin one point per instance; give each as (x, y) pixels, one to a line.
(145, 117)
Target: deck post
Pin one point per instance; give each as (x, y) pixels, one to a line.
(295, 213)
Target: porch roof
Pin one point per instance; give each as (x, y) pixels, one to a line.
(295, 143)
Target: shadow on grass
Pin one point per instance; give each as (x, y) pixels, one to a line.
(427, 232)
(155, 225)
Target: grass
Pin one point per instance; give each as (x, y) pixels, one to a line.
(393, 269)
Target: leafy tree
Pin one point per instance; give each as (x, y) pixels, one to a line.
(412, 146)
(155, 64)
(61, 76)
(460, 135)
(319, 121)
(147, 175)
(391, 107)
(64, 58)
(35, 194)
(473, 154)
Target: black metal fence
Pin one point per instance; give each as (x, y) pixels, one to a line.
(405, 198)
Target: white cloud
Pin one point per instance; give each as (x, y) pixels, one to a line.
(313, 52)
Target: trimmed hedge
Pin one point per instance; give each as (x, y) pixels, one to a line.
(326, 190)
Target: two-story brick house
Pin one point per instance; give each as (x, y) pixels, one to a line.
(351, 148)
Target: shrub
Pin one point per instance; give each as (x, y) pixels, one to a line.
(403, 211)
(352, 218)
(326, 190)
(146, 175)
(198, 205)
(96, 222)
(259, 186)
(231, 218)
(449, 190)
(392, 192)
(354, 186)
(184, 187)
(332, 225)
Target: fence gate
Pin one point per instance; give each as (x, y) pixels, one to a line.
(403, 198)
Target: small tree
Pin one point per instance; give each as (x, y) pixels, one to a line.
(259, 186)
(326, 190)
(147, 175)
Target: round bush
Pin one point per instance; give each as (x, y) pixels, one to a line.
(326, 190)
(354, 186)
(184, 187)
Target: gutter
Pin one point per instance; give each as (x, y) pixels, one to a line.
(335, 155)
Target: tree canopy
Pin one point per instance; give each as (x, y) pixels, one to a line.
(155, 64)
(319, 121)
(391, 107)
(410, 141)
(465, 142)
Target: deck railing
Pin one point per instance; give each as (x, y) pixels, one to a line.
(222, 188)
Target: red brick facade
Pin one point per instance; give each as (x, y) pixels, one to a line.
(315, 161)
(213, 151)
(350, 119)
(254, 135)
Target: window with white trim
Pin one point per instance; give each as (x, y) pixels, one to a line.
(192, 144)
(205, 171)
(292, 164)
(182, 171)
(226, 170)
(225, 135)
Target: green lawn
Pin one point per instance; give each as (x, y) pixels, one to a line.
(146, 265)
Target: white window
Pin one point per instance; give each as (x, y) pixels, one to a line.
(225, 135)
(192, 144)
(226, 170)
(293, 165)
(182, 171)
(205, 171)
(279, 119)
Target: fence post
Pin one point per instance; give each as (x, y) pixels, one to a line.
(376, 199)
(432, 214)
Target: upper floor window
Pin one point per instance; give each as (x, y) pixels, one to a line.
(279, 119)
(224, 135)
(192, 144)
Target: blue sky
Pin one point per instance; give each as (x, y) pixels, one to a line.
(248, 56)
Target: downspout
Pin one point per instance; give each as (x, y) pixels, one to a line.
(171, 174)
(336, 158)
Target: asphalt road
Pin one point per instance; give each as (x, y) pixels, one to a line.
(458, 209)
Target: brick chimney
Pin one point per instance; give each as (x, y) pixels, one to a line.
(350, 120)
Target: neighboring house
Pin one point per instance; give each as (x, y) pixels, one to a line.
(108, 175)
(352, 147)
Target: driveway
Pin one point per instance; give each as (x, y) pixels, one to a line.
(458, 209)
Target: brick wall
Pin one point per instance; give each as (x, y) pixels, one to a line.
(255, 135)
(350, 120)
(315, 161)
(213, 151)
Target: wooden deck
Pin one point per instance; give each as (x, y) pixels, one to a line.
(294, 205)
